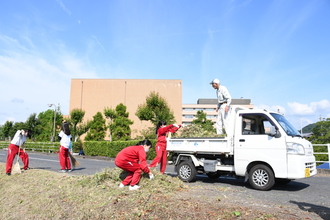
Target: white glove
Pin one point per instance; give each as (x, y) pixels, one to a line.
(175, 125)
(183, 125)
(151, 176)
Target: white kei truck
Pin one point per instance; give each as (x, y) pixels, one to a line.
(261, 146)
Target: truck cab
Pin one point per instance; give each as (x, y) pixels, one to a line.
(261, 146)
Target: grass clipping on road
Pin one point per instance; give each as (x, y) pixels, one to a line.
(42, 194)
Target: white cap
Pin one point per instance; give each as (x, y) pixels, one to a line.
(215, 81)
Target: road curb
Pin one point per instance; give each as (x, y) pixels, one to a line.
(323, 171)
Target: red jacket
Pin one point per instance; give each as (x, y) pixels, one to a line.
(135, 154)
(162, 132)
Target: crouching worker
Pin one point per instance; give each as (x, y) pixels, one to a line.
(133, 159)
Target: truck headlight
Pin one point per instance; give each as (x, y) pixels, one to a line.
(294, 148)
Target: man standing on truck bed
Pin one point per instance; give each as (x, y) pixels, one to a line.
(224, 100)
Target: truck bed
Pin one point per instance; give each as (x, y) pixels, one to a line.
(211, 145)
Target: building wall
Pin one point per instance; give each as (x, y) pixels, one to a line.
(93, 95)
(208, 106)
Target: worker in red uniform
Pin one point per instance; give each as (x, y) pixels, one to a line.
(65, 148)
(161, 154)
(133, 159)
(16, 147)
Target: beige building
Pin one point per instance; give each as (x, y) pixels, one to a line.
(94, 95)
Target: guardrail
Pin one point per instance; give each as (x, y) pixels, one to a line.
(327, 153)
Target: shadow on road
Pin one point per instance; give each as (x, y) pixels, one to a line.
(293, 186)
(41, 168)
(79, 168)
(322, 211)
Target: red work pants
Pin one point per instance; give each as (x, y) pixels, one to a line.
(24, 157)
(161, 157)
(134, 172)
(12, 151)
(63, 155)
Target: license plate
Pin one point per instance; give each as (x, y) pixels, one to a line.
(307, 172)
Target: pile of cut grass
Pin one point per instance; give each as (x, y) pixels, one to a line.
(193, 130)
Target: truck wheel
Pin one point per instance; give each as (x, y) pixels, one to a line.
(261, 177)
(213, 175)
(187, 171)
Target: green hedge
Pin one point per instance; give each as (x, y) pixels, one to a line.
(43, 146)
(4, 144)
(36, 146)
(111, 149)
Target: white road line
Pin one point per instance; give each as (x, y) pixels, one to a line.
(57, 161)
(44, 159)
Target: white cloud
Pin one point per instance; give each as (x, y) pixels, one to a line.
(309, 109)
(300, 109)
(275, 108)
(301, 115)
(31, 79)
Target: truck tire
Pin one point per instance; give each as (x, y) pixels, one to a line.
(187, 171)
(261, 177)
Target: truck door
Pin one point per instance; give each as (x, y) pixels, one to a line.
(253, 143)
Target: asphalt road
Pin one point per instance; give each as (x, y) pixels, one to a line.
(88, 165)
(312, 194)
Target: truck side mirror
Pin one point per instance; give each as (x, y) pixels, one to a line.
(274, 132)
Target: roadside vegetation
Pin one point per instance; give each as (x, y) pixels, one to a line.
(41, 194)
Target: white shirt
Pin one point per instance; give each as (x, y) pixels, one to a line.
(18, 139)
(65, 139)
(223, 96)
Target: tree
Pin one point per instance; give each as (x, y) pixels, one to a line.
(321, 135)
(321, 132)
(45, 126)
(19, 126)
(147, 133)
(97, 128)
(308, 128)
(155, 109)
(32, 123)
(76, 117)
(119, 124)
(82, 128)
(205, 123)
(7, 130)
(2, 136)
(110, 114)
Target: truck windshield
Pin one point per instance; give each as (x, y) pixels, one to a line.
(285, 124)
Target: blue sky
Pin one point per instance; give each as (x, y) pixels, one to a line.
(274, 52)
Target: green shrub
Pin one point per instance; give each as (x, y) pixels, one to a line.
(77, 146)
(111, 149)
